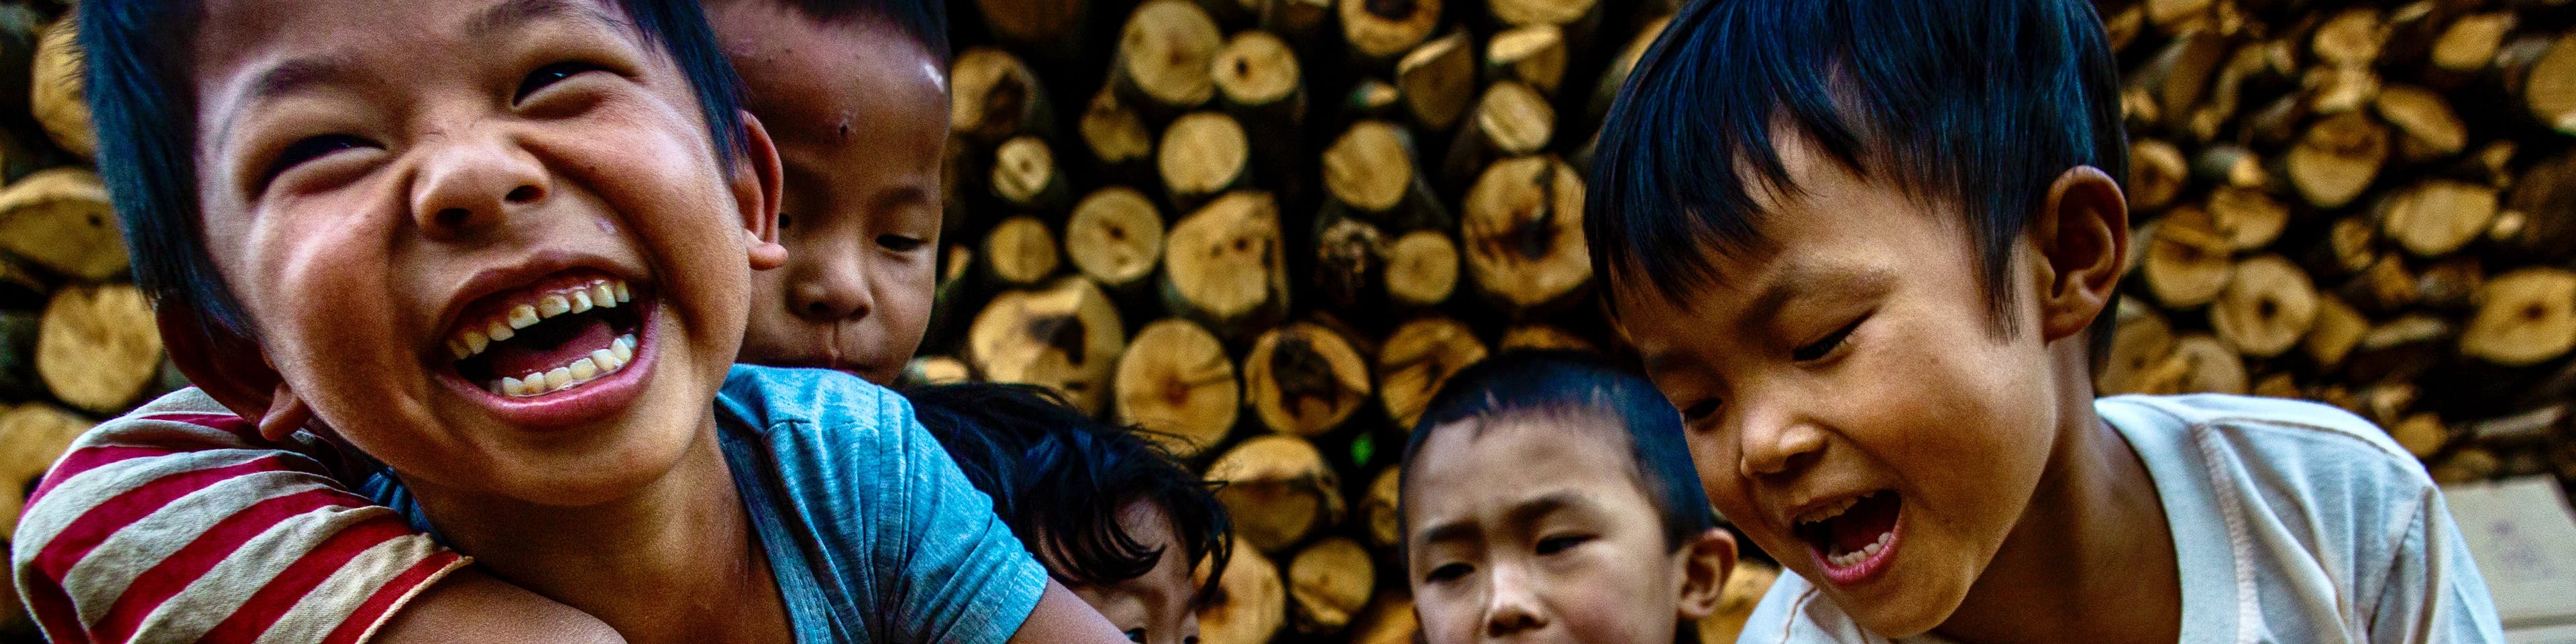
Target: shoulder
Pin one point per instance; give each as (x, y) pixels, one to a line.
(2270, 437)
(1795, 612)
(768, 399)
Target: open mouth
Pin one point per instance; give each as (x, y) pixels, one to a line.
(558, 335)
(1853, 537)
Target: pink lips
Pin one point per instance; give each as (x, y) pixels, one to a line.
(1867, 569)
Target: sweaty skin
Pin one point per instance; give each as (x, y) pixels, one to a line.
(1856, 354)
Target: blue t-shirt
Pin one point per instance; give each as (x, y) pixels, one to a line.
(872, 532)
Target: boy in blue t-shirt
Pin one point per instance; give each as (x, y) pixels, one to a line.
(503, 249)
(1869, 250)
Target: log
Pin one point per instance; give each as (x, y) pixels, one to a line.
(32, 436)
(2337, 330)
(2279, 385)
(2353, 37)
(60, 219)
(1606, 90)
(2524, 317)
(1298, 20)
(2157, 174)
(1305, 379)
(1556, 13)
(2385, 287)
(2229, 165)
(1025, 176)
(2179, 74)
(1389, 620)
(2421, 434)
(2141, 340)
(97, 346)
(1066, 337)
(2349, 247)
(1052, 27)
(1543, 337)
(1417, 359)
(1203, 154)
(2437, 216)
(2209, 366)
(2177, 16)
(993, 96)
(2451, 285)
(1250, 604)
(60, 97)
(1021, 251)
(1370, 168)
(1382, 506)
(1258, 81)
(1437, 80)
(1115, 134)
(1735, 601)
(1421, 269)
(1371, 98)
(18, 333)
(1378, 31)
(1533, 55)
(937, 370)
(1224, 268)
(2249, 218)
(2400, 349)
(1350, 258)
(1115, 237)
(1523, 235)
(2187, 262)
(1165, 53)
(2428, 128)
(2468, 46)
(1176, 383)
(2542, 208)
(1328, 584)
(2268, 306)
(2548, 89)
(1510, 120)
(1277, 490)
(2337, 159)
(2342, 88)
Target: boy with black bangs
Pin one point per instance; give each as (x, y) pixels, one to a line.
(499, 272)
(1869, 249)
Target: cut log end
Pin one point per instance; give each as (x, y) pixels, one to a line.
(1534, 54)
(1223, 265)
(2338, 157)
(1165, 53)
(1385, 526)
(1543, 337)
(1176, 382)
(1417, 359)
(2267, 307)
(1203, 153)
(1114, 132)
(2438, 216)
(1380, 30)
(60, 219)
(31, 437)
(98, 346)
(1515, 118)
(2187, 262)
(2524, 317)
(1369, 167)
(1305, 379)
(60, 95)
(1115, 236)
(1025, 174)
(993, 96)
(1438, 79)
(1066, 337)
(1250, 604)
(2157, 173)
(1256, 68)
(1523, 233)
(1277, 491)
(1421, 269)
(1328, 584)
(1021, 251)
(937, 370)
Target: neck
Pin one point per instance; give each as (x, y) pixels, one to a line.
(2093, 536)
(686, 537)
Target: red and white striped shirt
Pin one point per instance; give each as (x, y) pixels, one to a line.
(179, 523)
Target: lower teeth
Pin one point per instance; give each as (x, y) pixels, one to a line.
(599, 364)
(1849, 559)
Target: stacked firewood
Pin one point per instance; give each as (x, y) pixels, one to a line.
(2371, 205)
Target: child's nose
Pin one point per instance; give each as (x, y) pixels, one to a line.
(1777, 444)
(1511, 605)
(830, 289)
(465, 186)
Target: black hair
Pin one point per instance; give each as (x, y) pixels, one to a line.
(1560, 382)
(1978, 102)
(139, 55)
(924, 21)
(1059, 479)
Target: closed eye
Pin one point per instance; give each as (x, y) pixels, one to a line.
(1136, 635)
(1825, 346)
(1557, 544)
(1698, 411)
(900, 243)
(1448, 572)
(550, 74)
(308, 149)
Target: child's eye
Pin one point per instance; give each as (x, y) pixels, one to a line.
(549, 74)
(1825, 346)
(1699, 411)
(1448, 572)
(1557, 544)
(309, 149)
(1136, 635)
(899, 243)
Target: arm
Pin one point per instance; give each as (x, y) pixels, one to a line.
(1062, 618)
(469, 606)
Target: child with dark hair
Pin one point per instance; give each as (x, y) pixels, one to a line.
(1547, 496)
(494, 255)
(1111, 515)
(1870, 249)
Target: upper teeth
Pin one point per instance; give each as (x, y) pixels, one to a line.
(474, 337)
(1828, 511)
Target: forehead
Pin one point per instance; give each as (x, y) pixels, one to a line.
(1493, 464)
(289, 41)
(805, 72)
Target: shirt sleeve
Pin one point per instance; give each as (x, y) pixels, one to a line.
(2434, 594)
(178, 523)
(959, 575)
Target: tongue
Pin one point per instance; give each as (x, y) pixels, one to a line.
(1860, 526)
(555, 343)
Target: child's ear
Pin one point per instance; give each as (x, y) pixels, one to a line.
(228, 367)
(1706, 562)
(756, 184)
(2082, 238)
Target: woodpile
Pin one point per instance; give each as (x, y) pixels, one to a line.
(2371, 205)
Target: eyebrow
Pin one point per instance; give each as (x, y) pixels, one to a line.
(1792, 281)
(1525, 511)
(515, 14)
(295, 74)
